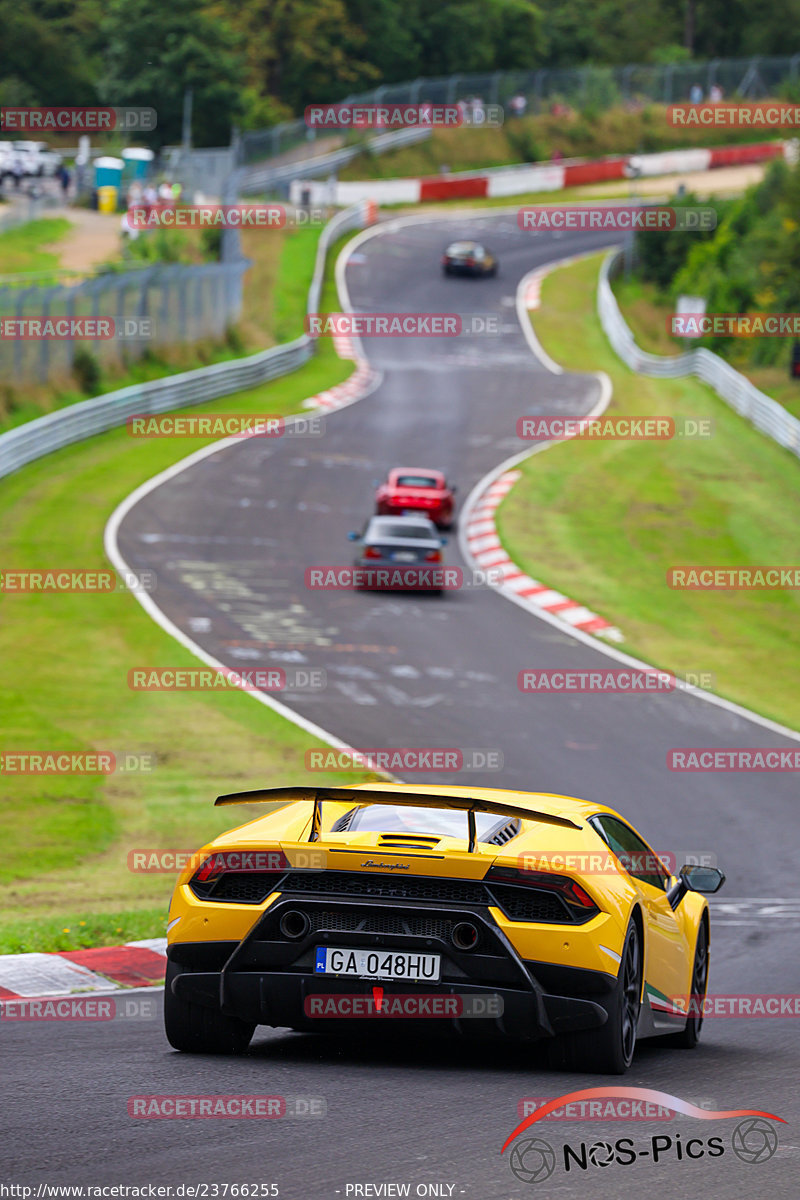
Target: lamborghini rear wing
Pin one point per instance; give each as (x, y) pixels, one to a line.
(357, 796)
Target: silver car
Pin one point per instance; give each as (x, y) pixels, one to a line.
(399, 554)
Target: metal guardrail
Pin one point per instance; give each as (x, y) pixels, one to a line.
(42, 436)
(251, 180)
(764, 413)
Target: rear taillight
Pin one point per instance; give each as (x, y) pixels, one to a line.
(544, 881)
(469, 262)
(433, 556)
(239, 862)
(372, 552)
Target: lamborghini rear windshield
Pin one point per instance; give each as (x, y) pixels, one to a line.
(436, 822)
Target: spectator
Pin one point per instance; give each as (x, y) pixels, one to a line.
(149, 198)
(518, 104)
(477, 111)
(715, 94)
(696, 94)
(177, 192)
(556, 156)
(165, 192)
(64, 179)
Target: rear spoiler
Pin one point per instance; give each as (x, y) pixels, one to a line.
(468, 804)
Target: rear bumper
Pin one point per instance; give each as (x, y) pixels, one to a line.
(480, 1004)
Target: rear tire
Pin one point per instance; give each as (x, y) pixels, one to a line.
(688, 1038)
(609, 1049)
(197, 1030)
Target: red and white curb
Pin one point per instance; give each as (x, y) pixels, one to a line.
(360, 383)
(533, 289)
(486, 549)
(69, 972)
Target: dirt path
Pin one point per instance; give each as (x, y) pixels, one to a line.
(93, 239)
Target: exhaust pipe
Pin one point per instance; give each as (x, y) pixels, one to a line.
(464, 936)
(294, 924)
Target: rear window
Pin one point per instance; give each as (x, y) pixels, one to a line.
(460, 248)
(395, 530)
(423, 481)
(442, 822)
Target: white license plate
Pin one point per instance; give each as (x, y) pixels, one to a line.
(378, 964)
(404, 556)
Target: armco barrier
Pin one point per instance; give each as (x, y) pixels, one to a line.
(534, 177)
(766, 414)
(42, 436)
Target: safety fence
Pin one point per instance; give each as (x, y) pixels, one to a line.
(581, 87)
(131, 312)
(764, 413)
(42, 436)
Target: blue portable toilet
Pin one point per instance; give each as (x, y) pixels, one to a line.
(137, 162)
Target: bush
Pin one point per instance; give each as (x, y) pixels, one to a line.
(86, 370)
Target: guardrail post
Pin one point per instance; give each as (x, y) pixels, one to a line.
(44, 350)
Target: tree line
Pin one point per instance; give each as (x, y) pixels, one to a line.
(255, 62)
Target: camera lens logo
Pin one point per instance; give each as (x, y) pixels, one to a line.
(754, 1140)
(533, 1160)
(601, 1154)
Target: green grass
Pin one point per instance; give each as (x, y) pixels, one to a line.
(604, 521)
(22, 248)
(646, 312)
(64, 662)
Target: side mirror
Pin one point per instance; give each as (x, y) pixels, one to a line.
(353, 536)
(453, 488)
(706, 880)
(703, 879)
(443, 541)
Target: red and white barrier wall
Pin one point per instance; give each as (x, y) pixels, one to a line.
(536, 177)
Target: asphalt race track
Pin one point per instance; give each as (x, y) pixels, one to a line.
(230, 539)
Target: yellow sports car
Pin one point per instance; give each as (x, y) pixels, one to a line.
(475, 909)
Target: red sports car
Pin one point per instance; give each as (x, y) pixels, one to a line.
(411, 490)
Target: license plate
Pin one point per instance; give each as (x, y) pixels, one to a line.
(404, 556)
(378, 964)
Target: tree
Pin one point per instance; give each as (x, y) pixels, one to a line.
(155, 51)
